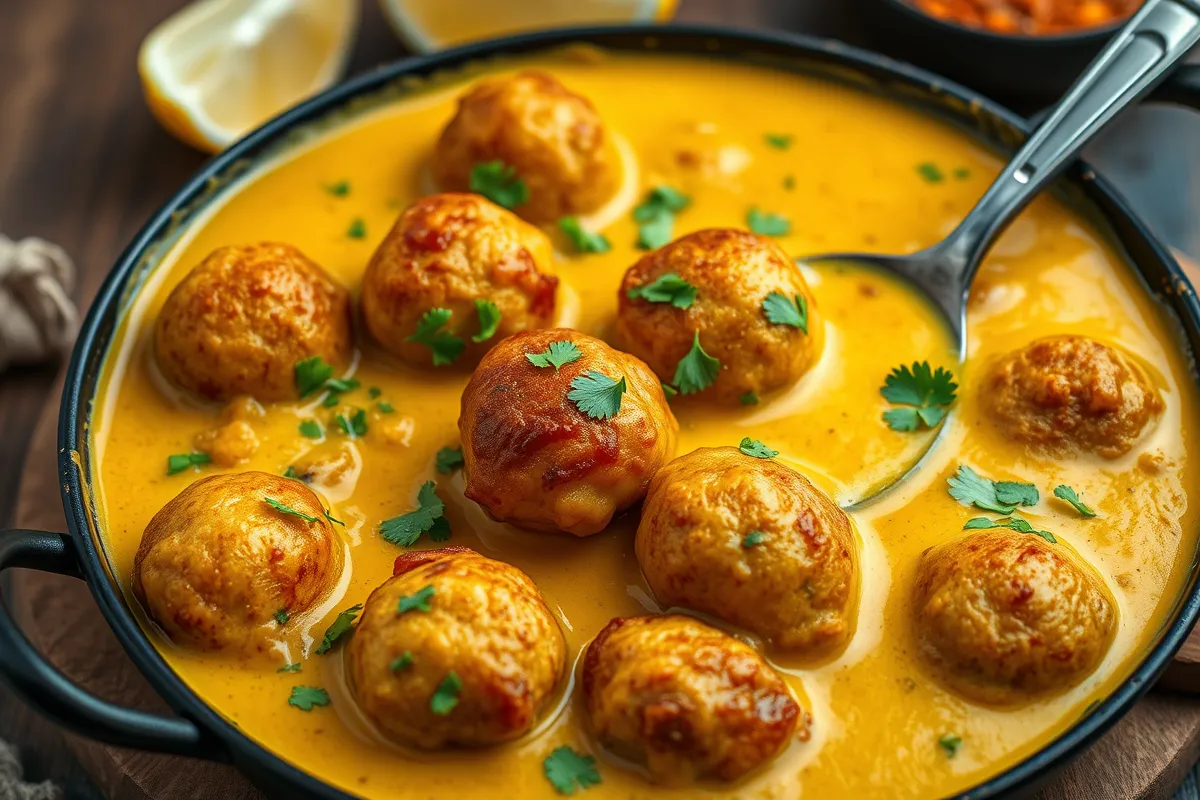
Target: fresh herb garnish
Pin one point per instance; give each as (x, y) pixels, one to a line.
(499, 183)
(568, 771)
(446, 346)
(656, 216)
(970, 488)
(419, 601)
(295, 667)
(311, 374)
(384, 407)
(583, 240)
(779, 310)
(666, 288)
(342, 384)
(950, 743)
(752, 538)
(449, 459)
(406, 529)
(1064, 492)
(305, 697)
(311, 428)
(357, 229)
(597, 395)
(927, 394)
(780, 141)
(669, 390)
(330, 517)
(962, 173)
(282, 509)
(1012, 523)
(178, 463)
(489, 319)
(339, 189)
(331, 400)
(556, 355)
(282, 616)
(402, 662)
(748, 399)
(374, 392)
(930, 172)
(445, 698)
(697, 370)
(1016, 493)
(340, 627)
(290, 472)
(765, 224)
(755, 448)
(789, 182)
(354, 426)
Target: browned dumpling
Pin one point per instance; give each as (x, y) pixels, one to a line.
(752, 542)
(455, 649)
(452, 251)
(733, 272)
(686, 699)
(1004, 616)
(240, 322)
(552, 137)
(532, 457)
(1066, 394)
(218, 562)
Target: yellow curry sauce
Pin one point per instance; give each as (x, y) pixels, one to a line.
(856, 176)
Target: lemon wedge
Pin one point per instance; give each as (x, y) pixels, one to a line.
(219, 68)
(426, 25)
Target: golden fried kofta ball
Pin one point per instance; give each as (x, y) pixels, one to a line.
(686, 699)
(1005, 616)
(455, 649)
(733, 273)
(241, 320)
(219, 561)
(552, 137)
(752, 542)
(453, 252)
(562, 447)
(1066, 394)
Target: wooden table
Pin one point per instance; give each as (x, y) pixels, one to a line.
(83, 164)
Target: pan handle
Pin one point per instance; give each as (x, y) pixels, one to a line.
(50, 693)
(1181, 88)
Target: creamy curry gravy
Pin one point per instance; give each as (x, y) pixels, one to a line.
(877, 713)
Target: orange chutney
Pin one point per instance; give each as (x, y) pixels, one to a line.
(858, 173)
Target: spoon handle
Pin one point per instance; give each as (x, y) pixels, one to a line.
(1137, 59)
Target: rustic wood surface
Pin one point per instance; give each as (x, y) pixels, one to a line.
(83, 164)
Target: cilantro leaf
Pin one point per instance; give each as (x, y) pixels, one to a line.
(930, 172)
(355, 426)
(765, 224)
(445, 698)
(557, 354)
(357, 229)
(755, 448)
(419, 601)
(1016, 493)
(446, 346)
(656, 216)
(929, 393)
(374, 392)
(780, 141)
(338, 629)
(311, 374)
(440, 531)
(568, 771)
(656, 232)
(339, 189)
(402, 662)
(290, 472)
(282, 509)
(669, 390)
(597, 395)
(311, 428)
(294, 667)
(1064, 492)
(950, 743)
(305, 697)
(779, 310)
(962, 173)
(970, 488)
(748, 399)
(489, 319)
(406, 529)
(1012, 523)
(342, 384)
(449, 459)
(666, 288)
(752, 538)
(697, 370)
(331, 400)
(282, 616)
(499, 183)
(583, 240)
(384, 407)
(178, 463)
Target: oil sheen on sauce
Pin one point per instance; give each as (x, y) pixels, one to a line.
(851, 179)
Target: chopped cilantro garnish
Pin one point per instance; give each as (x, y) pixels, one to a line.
(970, 488)
(339, 189)
(748, 399)
(402, 661)
(340, 627)
(418, 601)
(752, 538)
(1064, 492)
(697, 370)
(950, 743)
(446, 346)
(499, 183)
(290, 472)
(295, 667)
(178, 463)
(355, 426)
(374, 392)
(282, 509)
(930, 172)
(384, 407)
(1016, 493)
(357, 229)
(406, 529)
(779, 310)
(282, 616)
(311, 428)
(445, 698)
(656, 232)
(928, 394)
(342, 384)
(568, 771)
(331, 400)
(311, 374)
(556, 355)
(305, 697)
(765, 224)
(669, 390)
(1012, 523)
(440, 531)
(656, 216)
(666, 288)
(584, 241)
(489, 319)
(780, 141)
(962, 173)
(755, 448)
(449, 459)
(597, 395)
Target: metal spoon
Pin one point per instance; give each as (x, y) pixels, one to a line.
(1136, 60)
